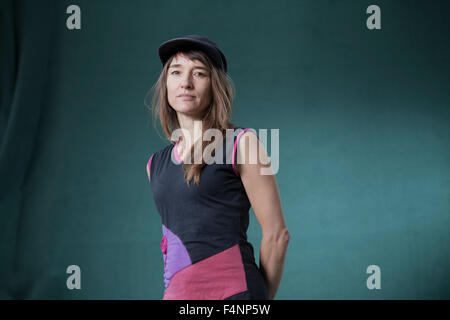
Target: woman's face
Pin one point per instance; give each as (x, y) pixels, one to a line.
(188, 86)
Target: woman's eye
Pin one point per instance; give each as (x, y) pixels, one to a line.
(201, 74)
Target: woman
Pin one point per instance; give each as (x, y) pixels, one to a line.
(205, 249)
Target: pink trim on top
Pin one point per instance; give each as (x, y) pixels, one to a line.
(175, 152)
(234, 150)
(149, 163)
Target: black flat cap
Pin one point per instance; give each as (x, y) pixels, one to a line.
(172, 46)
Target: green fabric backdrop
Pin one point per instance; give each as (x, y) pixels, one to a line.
(364, 141)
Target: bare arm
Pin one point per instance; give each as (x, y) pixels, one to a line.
(262, 191)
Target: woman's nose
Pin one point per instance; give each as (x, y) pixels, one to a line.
(186, 82)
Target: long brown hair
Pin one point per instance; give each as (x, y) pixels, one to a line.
(217, 116)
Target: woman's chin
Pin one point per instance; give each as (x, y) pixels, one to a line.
(188, 110)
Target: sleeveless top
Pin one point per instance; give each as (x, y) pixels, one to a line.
(204, 244)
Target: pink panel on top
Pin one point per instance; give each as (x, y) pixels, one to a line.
(215, 278)
(234, 149)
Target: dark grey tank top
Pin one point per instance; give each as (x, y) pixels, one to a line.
(202, 224)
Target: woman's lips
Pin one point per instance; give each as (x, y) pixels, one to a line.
(186, 97)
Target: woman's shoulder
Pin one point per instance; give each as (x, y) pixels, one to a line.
(240, 130)
(165, 151)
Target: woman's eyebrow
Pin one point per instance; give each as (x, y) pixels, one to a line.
(179, 65)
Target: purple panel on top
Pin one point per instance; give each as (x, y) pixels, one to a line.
(175, 254)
